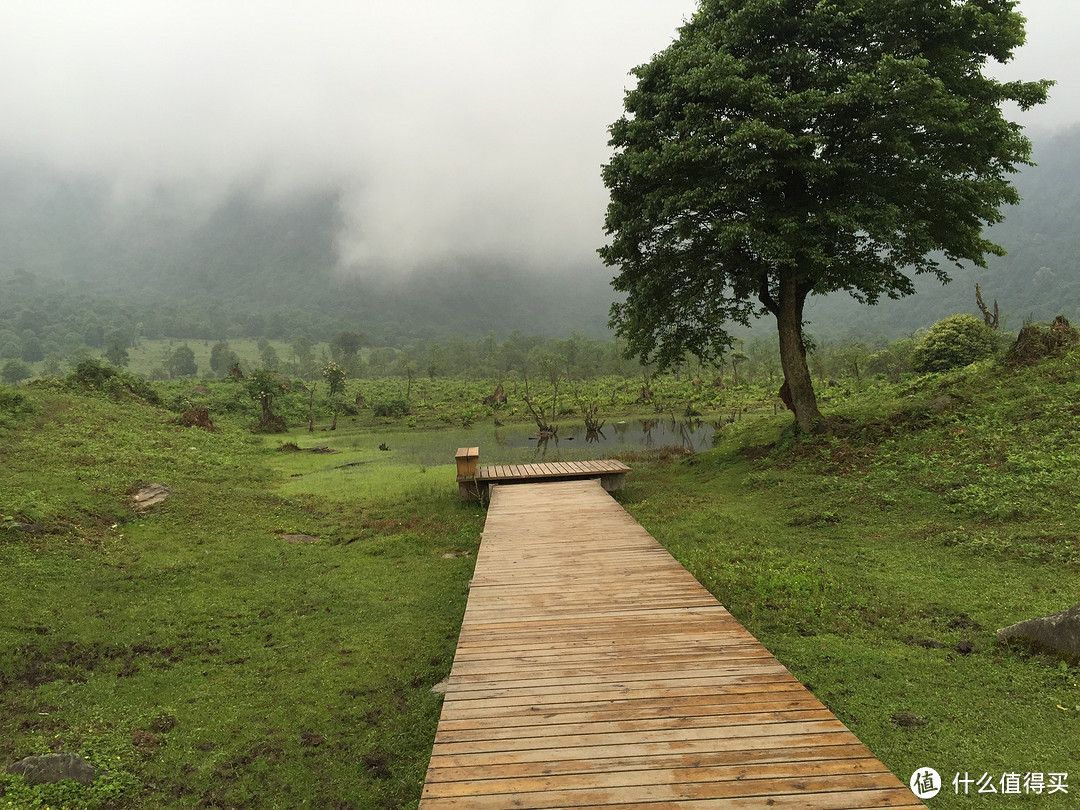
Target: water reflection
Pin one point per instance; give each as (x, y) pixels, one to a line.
(623, 436)
(519, 444)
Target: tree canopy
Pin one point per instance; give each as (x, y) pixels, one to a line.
(783, 148)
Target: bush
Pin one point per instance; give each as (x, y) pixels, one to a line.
(954, 342)
(12, 405)
(15, 371)
(394, 409)
(94, 375)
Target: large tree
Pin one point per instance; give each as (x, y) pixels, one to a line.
(783, 148)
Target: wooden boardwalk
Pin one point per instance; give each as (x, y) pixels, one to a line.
(593, 671)
(551, 470)
(612, 475)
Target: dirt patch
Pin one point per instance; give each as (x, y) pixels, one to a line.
(293, 447)
(908, 720)
(145, 742)
(929, 644)
(961, 621)
(351, 464)
(376, 764)
(73, 661)
(163, 723)
(756, 452)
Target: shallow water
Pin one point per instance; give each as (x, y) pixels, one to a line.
(518, 444)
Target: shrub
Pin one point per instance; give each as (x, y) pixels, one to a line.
(13, 405)
(15, 371)
(393, 409)
(954, 342)
(94, 375)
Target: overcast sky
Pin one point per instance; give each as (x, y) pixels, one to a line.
(452, 127)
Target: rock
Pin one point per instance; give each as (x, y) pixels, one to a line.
(299, 538)
(149, 495)
(441, 687)
(1059, 632)
(53, 768)
(30, 528)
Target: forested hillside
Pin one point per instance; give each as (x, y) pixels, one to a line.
(77, 266)
(73, 263)
(1038, 279)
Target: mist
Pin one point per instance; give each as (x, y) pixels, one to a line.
(446, 131)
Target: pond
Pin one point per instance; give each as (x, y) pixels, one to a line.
(518, 444)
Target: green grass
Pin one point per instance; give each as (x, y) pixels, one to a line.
(202, 661)
(190, 652)
(878, 562)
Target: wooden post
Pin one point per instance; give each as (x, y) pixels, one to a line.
(467, 459)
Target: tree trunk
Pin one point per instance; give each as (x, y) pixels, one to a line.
(789, 313)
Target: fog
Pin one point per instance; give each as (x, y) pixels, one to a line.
(466, 129)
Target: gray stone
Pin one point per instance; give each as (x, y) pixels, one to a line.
(299, 538)
(441, 687)
(149, 495)
(53, 768)
(1059, 632)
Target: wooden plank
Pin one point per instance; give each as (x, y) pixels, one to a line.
(622, 796)
(550, 469)
(657, 777)
(893, 798)
(588, 758)
(457, 771)
(593, 672)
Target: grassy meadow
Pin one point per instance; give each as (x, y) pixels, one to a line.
(192, 653)
(202, 659)
(877, 563)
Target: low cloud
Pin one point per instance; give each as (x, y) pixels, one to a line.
(468, 128)
(474, 128)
